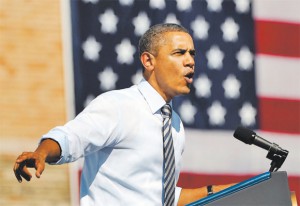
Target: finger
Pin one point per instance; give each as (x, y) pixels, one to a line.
(24, 172)
(24, 156)
(17, 173)
(39, 166)
(17, 169)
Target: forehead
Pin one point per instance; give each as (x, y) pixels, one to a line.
(178, 40)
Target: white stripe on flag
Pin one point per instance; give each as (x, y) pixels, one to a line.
(219, 152)
(277, 10)
(278, 76)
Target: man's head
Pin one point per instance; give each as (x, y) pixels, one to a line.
(167, 54)
(153, 37)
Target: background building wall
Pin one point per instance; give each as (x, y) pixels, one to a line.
(32, 84)
(32, 96)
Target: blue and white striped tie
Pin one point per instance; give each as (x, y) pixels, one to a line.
(169, 159)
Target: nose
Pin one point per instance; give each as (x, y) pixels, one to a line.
(190, 60)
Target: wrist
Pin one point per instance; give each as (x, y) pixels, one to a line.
(49, 150)
(209, 190)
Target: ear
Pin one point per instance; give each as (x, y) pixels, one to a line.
(148, 61)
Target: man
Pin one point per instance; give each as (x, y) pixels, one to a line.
(123, 134)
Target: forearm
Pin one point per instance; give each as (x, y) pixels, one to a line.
(191, 195)
(50, 149)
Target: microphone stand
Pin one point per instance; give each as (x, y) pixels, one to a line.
(278, 156)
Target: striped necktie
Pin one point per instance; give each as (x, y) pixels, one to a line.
(169, 159)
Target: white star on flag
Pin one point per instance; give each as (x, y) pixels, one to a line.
(126, 2)
(232, 87)
(216, 113)
(230, 30)
(108, 21)
(242, 6)
(245, 58)
(141, 23)
(107, 79)
(125, 51)
(171, 18)
(203, 86)
(247, 114)
(184, 5)
(215, 57)
(200, 28)
(91, 49)
(187, 112)
(157, 4)
(214, 5)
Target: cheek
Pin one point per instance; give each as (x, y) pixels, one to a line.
(170, 72)
(173, 68)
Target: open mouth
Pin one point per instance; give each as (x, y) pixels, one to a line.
(189, 77)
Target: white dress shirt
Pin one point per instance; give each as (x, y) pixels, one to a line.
(120, 136)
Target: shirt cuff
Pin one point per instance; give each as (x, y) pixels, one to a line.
(177, 194)
(60, 137)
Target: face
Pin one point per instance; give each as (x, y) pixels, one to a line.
(173, 66)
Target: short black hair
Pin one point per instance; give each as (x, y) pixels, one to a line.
(153, 37)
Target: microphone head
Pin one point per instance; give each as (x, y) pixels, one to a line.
(245, 135)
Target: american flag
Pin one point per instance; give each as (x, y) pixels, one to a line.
(247, 73)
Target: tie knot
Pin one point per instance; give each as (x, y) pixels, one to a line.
(166, 111)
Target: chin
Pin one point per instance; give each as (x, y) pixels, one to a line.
(185, 91)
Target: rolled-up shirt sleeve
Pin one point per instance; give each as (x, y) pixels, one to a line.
(91, 130)
(59, 136)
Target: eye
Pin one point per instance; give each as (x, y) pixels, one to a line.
(180, 52)
(193, 53)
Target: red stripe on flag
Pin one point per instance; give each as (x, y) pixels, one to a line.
(279, 115)
(194, 180)
(277, 38)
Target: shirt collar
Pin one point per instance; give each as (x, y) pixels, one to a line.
(152, 97)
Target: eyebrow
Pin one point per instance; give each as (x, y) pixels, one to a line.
(191, 51)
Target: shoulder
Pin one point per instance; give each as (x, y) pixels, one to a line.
(117, 97)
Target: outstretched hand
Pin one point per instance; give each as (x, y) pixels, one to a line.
(29, 160)
(48, 151)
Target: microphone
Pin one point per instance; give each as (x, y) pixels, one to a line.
(276, 153)
(249, 137)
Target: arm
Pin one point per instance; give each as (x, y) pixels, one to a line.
(190, 195)
(48, 151)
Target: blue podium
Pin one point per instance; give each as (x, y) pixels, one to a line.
(267, 189)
